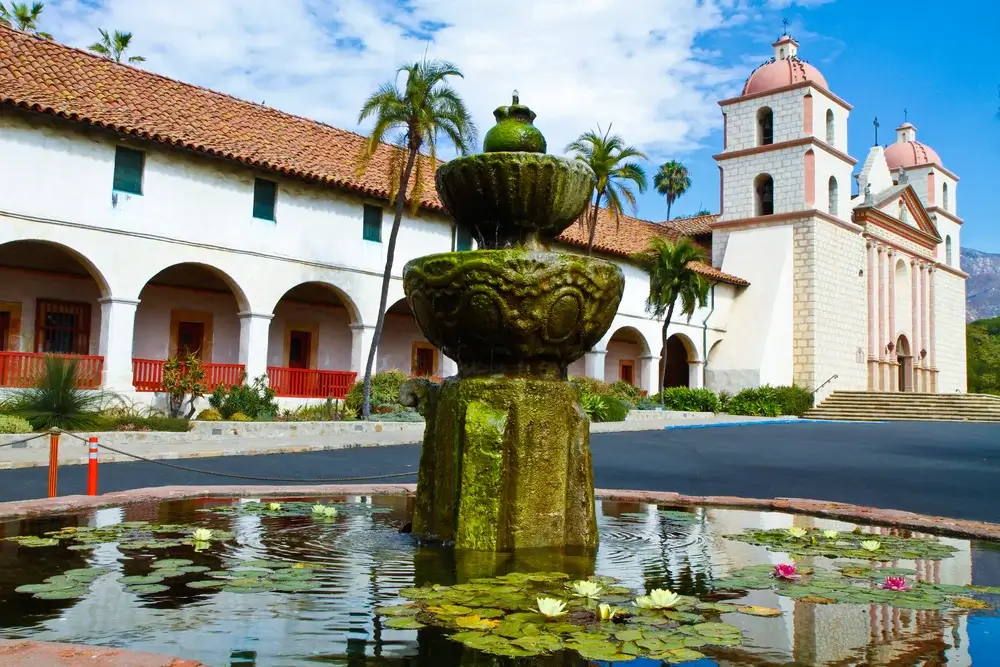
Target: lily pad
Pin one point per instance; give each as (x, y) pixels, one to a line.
(754, 610)
(294, 586)
(86, 574)
(678, 655)
(210, 583)
(404, 623)
(398, 610)
(147, 588)
(64, 594)
(142, 580)
(171, 564)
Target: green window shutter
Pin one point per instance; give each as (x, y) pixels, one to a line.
(128, 170)
(265, 193)
(463, 239)
(372, 230)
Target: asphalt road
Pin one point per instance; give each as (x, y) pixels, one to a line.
(933, 468)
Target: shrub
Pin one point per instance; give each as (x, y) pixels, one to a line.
(57, 401)
(401, 415)
(385, 391)
(594, 406)
(254, 401)
(11, 424)
(209, 415)
(625, 391)
(239, 417)
(794, 400)
(688, 400)
(592, 386)
(770, 401)
(646, 403)
(154, 423)
(616, 410)
(183, 380)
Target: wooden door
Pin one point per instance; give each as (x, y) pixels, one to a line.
(627, 372)
(4, 330)
(299, 348)
(423, 362)
(190, 339)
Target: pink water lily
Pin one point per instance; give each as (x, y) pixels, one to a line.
(895, 584)
(785, 571)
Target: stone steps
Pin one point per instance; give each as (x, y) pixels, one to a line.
(907, 406)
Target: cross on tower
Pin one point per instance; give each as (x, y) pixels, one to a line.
(876, 130)
(784, 22)
(906, 115)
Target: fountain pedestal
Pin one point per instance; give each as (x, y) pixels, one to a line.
(506, 458)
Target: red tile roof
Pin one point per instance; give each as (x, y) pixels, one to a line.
(44, 76)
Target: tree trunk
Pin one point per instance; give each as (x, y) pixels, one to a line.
(593, 225)
(390, 252)
(668, 208)
(663, 353)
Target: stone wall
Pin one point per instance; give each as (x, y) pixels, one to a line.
(949, 333)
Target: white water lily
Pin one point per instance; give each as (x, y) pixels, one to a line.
(871, 545)
(797, 532)
(330, 512)
(658, 598)
(605, 612)
(202, 535)
(586, 589)
(550, 607)
(274, 507)
(319, 509)
(830, 534)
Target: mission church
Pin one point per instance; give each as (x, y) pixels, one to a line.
(142, 218)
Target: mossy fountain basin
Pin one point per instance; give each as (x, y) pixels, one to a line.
(513, 311)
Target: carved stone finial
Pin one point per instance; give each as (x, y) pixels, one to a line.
(515, 99)
(901, 177)
(868, 195)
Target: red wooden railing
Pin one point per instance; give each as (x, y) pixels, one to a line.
(24, 369)
(310, 383)
(147, 374)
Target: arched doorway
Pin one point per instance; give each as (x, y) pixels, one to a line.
(188, 309)
(679, 356)
(49, 305)
(624, 358)
(310, 341)
(403, 346)
(905, 359)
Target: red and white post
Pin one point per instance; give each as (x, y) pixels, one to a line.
(53, 462)
(92, 467)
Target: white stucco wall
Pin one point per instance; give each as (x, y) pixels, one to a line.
(828, 165)
(333, 347)
(821, 104)
(741, 119)
(152, 322)
(949, 322)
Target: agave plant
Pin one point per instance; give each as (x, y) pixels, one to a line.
(57, 401)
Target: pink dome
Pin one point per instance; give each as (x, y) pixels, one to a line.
(781, 73)
(910, 154)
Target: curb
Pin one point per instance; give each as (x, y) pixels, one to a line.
(765, 422)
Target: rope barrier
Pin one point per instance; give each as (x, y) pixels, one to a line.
(18, 442)
(325, 480)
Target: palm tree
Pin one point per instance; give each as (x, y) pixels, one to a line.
(671, 277)
(607, 155)
(114, 46)
(672, 181)
(22, 17)
(424, 109)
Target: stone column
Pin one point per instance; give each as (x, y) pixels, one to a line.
(594, 361)
(361, 344)
(931, 346)
(696, 374)
(117, 328)
(254, 333)
(915, 340)
(924, 361)
(649, 373)
(891, 304)
(882, 379)
(872, 320)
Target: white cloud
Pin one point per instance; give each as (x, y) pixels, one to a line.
(781, 4)
(575, 62)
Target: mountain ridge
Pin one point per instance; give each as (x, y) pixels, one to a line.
(982, 290)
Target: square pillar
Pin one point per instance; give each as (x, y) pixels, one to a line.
(696, 374)
(361, 344)
(254, 333)
(446, 366)
(117, 327)
(594, 361)
(649, 371)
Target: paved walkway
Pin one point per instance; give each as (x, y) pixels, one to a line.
(73, 451)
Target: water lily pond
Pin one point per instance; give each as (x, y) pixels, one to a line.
(332, 581)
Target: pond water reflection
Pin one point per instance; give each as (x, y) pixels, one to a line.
(363, 561)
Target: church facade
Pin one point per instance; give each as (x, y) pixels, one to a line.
(143, 218)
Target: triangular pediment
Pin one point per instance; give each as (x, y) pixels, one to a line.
(902, 204)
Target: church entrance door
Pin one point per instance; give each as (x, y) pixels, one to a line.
(905, 359)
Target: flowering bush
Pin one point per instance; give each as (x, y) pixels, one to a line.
(10, 424)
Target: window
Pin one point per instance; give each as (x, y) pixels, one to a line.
(4, 330)
(765, 127)
(764, 195)
(463, 239)
(944, 195)
(62, 327)
(128, 170)
(830, 128)
(947, 250)
(834, 194)
(264, 194)
(372, 224)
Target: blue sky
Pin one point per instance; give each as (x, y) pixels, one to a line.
(655, 69)
(881, 57)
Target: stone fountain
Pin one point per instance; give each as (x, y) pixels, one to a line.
(506, 456)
